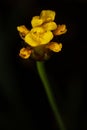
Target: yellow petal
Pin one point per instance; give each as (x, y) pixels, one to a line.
(36, 21)
(38, 36)
(47, 15)
(31, 40)
(49, 26)
(46, 37)
(37, 30)
(54, 46)
(25, 53)
(61, 29)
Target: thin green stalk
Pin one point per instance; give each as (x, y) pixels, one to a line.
(46, 84)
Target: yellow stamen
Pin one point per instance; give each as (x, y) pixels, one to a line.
(23, 31)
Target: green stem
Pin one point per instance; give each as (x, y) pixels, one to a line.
(44, 79)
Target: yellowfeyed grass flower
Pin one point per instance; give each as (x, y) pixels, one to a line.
(39, 38)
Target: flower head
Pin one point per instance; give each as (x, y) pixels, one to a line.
(39, 37)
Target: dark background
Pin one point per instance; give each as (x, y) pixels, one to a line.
(23, 102)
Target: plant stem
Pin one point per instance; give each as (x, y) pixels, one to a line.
(46, 84)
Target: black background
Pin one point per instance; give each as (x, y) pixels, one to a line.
(23, 102)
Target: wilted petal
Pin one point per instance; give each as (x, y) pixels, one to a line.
(22, 30)
(54, 46)
(61, 29)
(25, 53)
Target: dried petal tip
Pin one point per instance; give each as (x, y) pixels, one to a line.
(23, 31)
(25, 53)
(54, 46)
(61, 29)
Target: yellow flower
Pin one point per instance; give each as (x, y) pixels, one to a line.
(39, 37)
